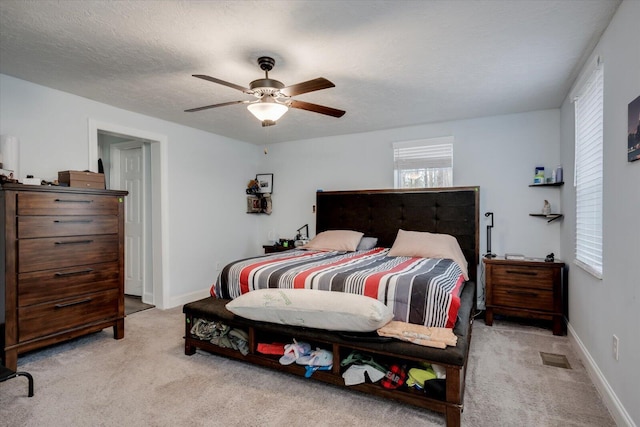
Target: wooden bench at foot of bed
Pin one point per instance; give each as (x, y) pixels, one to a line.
(453, 359)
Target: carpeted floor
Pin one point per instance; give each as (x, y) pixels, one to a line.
(146, 380)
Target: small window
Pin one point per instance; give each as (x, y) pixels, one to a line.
(589, 173)
(423, 163)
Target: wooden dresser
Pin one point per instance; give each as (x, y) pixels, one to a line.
(526, 288)
(63, 274)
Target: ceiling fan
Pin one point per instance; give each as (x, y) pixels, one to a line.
(274, 99)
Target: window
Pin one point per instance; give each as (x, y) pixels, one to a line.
(588, 173)
(423, 163)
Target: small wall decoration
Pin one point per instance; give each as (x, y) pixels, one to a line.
(253, 187)
(633, 144)
(266, 204)
(259, 194)
(253, 204)
(265, 182)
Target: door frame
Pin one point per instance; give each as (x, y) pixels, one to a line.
(159, 197)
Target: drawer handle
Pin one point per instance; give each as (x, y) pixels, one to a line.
(69, 304)
(74, 242)
(74, 221)
(522, 273)
(73, 201)
(523, 293)
(73, 273)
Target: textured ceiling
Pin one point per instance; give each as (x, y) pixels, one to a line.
(394, 63)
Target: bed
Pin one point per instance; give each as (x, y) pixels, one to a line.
(379, 214)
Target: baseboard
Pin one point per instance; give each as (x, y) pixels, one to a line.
(187, 298)
(147, 298)
(609, 397)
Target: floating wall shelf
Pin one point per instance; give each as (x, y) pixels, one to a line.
(550, 217)
(553, 216)
(548, 184)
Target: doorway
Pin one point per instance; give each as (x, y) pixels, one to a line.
(128, 164)
(132, 161)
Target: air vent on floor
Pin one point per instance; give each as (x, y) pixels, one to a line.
(557, 360)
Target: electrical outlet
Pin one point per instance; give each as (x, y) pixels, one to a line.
(217, 266)
(616, 344)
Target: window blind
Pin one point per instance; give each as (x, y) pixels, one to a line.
(423, 163)
(589, 173)
(429, 156)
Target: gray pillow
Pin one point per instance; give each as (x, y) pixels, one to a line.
(367, 243)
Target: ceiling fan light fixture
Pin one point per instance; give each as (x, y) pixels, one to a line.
(274, 98)
(266, 111)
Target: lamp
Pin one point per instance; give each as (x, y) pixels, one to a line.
(489, 254)
(302, 239)
(301, 236)
(267, 110)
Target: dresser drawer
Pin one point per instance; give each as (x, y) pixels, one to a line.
(52, 226)
(60, 252)
(66, 204)
(43, 286)
(44, 319)
(532, 299)
(521, 276)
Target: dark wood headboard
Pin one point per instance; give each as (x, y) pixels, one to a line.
(380, 213)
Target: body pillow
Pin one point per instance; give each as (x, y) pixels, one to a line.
(311, 308)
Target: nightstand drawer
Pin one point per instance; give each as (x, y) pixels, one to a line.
(520, 276)
(532, 299)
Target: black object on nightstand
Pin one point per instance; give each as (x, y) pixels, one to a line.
(489, 254)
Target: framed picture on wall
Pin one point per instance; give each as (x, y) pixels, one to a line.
(633, 140)
(265, 182)
(254, 204)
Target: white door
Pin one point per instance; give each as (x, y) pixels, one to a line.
(132, 179)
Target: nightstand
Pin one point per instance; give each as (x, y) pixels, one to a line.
(527, 288)
(270, 249)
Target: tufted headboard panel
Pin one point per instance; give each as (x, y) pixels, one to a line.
(381, 213)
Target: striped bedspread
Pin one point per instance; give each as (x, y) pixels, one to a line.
(424, 291)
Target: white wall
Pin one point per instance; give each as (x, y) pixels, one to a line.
(497, 153)
(206, 176)
(598, 309)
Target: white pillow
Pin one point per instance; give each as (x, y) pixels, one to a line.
(335, 240)
(334, 311)
(429, 245)
(367, 243)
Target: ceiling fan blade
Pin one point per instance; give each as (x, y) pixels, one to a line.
(215, 105)
(221, 82)
(308, 86)
(317, 108)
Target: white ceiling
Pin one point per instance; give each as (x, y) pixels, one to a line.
(394, 63)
